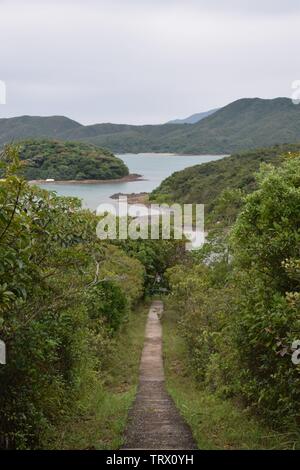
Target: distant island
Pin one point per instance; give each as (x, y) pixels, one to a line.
(53, 160)
(194, 118)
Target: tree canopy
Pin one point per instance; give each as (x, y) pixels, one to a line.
(44, 159)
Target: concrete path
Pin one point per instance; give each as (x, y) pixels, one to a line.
(154, 422)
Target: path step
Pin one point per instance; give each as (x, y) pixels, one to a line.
(154, 421)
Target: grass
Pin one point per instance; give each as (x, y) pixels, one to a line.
(216, 423)
(103, 418)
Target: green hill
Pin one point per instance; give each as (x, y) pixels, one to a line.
(68, 161)
(242, 125)
(25, 127)
(203, 183)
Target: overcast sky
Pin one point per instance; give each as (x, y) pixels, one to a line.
(144, 61)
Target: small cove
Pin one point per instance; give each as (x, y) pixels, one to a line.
(154, 167)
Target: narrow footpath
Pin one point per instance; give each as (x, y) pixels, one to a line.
(154, 421)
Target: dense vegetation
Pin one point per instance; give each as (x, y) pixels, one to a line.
(218, 420)
(242, 125)
(237, 300)
(203, 184)
(68, 161)
(65, 299)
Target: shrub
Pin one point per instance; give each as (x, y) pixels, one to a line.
(238, 304)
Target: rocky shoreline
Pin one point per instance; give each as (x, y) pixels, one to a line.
(133, 198)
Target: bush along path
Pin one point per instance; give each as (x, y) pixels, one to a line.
(154, 422)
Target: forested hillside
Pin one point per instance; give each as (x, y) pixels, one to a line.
(241, 125)
(44, 159)
(204, 183)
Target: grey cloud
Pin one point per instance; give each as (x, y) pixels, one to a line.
(144, 61)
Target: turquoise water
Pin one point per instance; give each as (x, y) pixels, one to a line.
(154, 167)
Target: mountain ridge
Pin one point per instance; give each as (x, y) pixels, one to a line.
(244, 124)
(194, 118)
